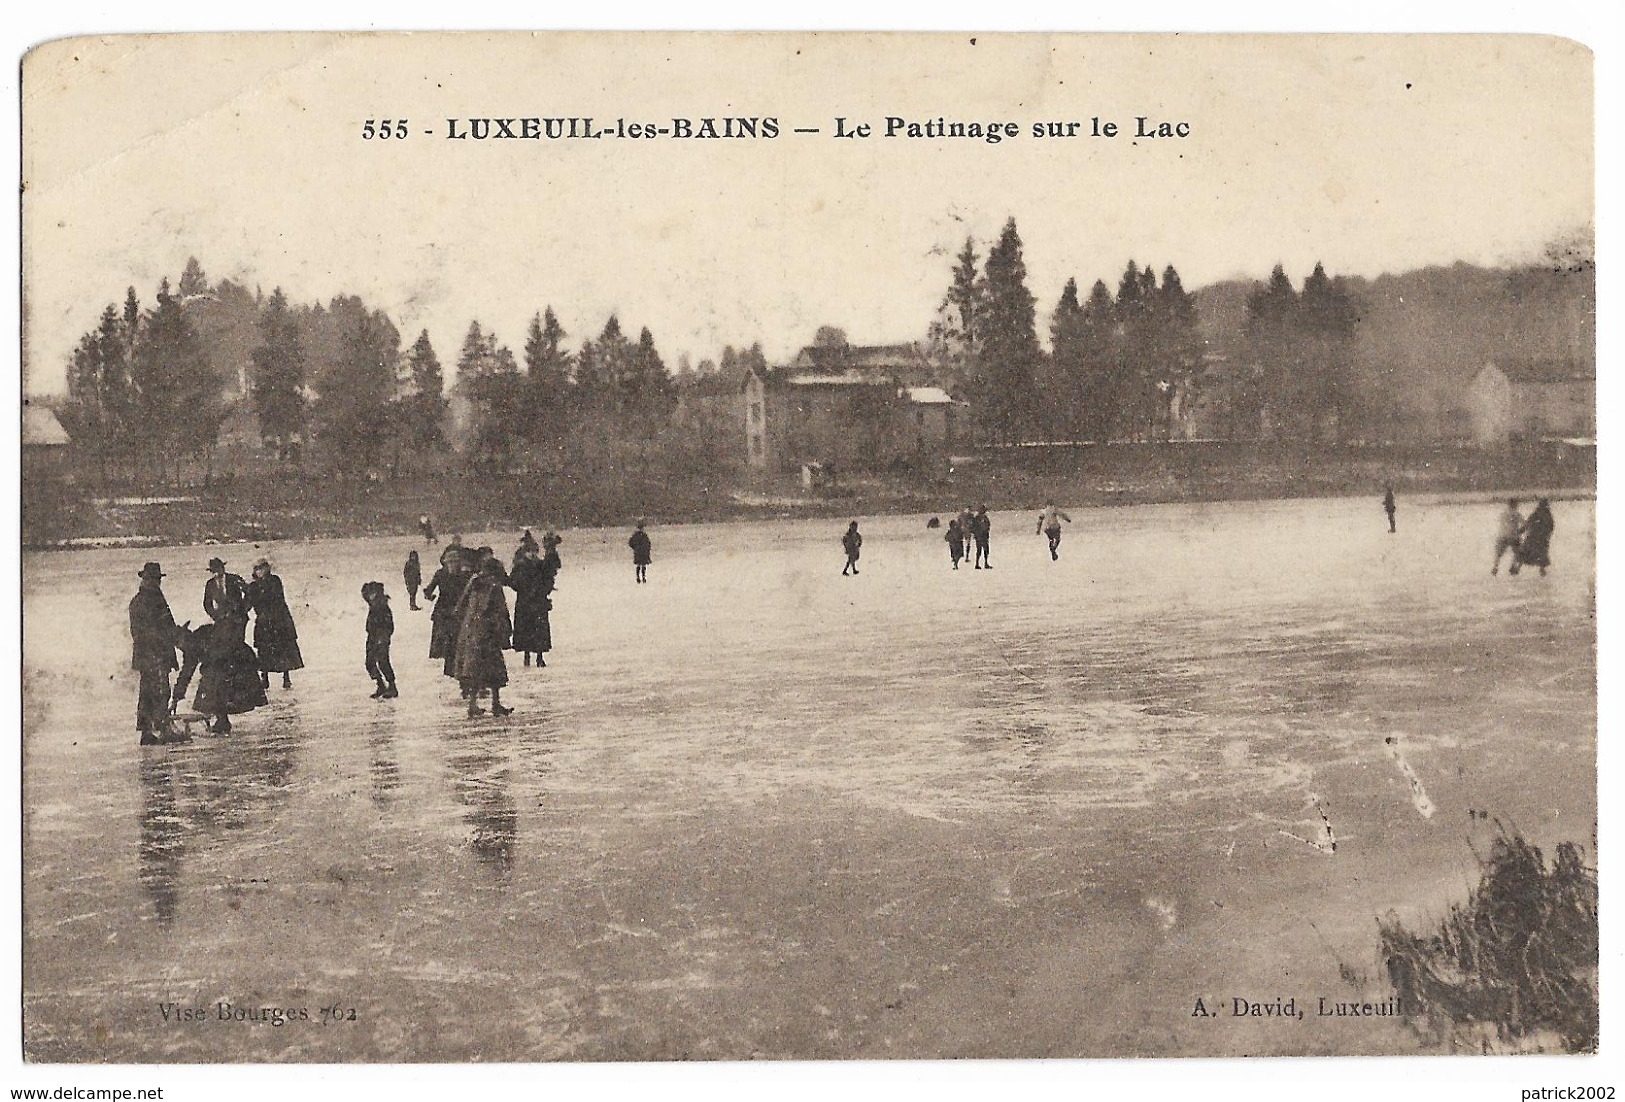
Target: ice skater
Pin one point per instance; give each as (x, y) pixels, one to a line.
(276, 639)
(853, 543)
(955, 537)
(228, 680)
(225, 600)
(1506, 534)
(642, 553)
(981, 530)
(153, 634)
(1049, 523)
(380, 630)
(412, 575)
(445, 589)
(484, 632)
(531, 582)
(1535, 540)
(1388, 505)
(527, 542)
(426, 526)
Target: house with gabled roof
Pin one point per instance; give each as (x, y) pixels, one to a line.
(1532, 399)
(860, 407)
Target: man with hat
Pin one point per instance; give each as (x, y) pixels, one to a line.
(225, 600)
(153, 632)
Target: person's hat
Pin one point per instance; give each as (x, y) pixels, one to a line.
(640, 522)
(151, 571)
(266, 563)
(552, 538)
(217, 564)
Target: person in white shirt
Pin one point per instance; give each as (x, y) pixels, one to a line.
(1506, 535)
(1049, 523)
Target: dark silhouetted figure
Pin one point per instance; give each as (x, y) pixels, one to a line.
(445, 589)
(981, 530)
(225, 600)
(276, 639)
(484, 631)
(853, 543)
(380, 630)
(1535, 544)
(153, 634)
(955, 537)
(642, 553)
(1388, 505)
(531, 581)
(412, 575)
(426, 526)
(228, 680)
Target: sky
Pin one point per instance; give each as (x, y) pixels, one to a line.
(1369, 154)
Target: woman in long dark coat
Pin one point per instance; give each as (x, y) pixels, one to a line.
(228, 683)
(445, 589)
(484, 631)
(276, 640)
(531, 583)
(1535, 548)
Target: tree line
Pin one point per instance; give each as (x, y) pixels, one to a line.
(151, 386)
(1125, 365)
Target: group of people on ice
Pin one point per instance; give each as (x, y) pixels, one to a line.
(1530, 541)
(233, 677)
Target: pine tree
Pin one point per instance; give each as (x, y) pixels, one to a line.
(279, 377)
(178, 407)
(352, 411)
(1325, 326)
(1098, 360)
(1066, 388)
(1008, 355)
(193, 281)
(951, 339)
(423, 409)
(1178, 348)
(1269, 396)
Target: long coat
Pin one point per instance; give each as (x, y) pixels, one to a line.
(229, 681)
(531, 583)
(445, 589)
(484, 631)
(275, 637)
(152, 631)
(1536, 547)
(642, 549)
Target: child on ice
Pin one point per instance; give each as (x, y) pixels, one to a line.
(380, 629)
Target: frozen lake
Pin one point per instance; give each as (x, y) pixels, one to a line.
(756, 809)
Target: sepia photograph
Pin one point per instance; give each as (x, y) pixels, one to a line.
(507, 521)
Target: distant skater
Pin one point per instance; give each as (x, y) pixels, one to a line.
(955, 538)
(642, 553)
(1388, 505)
(484, 631)
(1507, 533)
(1535, 543)
(152, 634)
(853, 543)
(412, 575)
(981, 530)
(380, 630)
(1049, 523)
(276, 639)
(426, 526)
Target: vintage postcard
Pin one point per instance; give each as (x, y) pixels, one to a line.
(508, 528)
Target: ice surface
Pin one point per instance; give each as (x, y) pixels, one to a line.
(754, 808)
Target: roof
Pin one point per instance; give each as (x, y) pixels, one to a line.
(1544, 370)
(850, 378)
(927, 395)
(872, 357)
(40, 427)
